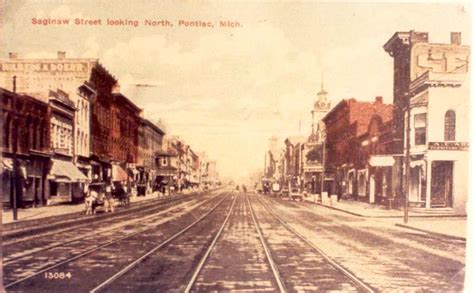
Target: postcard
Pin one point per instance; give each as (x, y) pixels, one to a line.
(229, 146)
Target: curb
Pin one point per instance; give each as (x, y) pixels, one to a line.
(78, 218)
(430, 232)
(386, 217)
(354, 214)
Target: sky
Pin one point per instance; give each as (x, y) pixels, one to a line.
(227, 90)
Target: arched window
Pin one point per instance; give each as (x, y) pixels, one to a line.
(450, 126)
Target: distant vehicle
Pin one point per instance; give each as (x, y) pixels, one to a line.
(266, 185)
(275, 188)
(99, 203)
(295, 194)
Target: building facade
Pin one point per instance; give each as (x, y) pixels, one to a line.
(345, 162)
(66, 181)
(427, 78)
(293, 162)
(37, 76)
(438, 143)
(26, 149)
(314, 149)
(150, 142)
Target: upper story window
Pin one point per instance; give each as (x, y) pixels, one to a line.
(450, 126)
(420, 129)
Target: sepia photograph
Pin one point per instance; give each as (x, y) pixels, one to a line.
(235, 146)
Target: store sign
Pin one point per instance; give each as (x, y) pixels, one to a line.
(448, 146)
(43, 66)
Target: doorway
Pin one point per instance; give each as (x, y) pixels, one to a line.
(442, 184)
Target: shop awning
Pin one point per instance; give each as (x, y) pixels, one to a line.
(166, 171)
(118, 173)
(8, 166)
(417, 163)
(66, 171)
(381, 161)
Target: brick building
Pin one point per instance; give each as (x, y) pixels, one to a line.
(101, 124)
(37, 76)
(345, 124)
(377, 153)
(150, 142)
(25, 148)
(431, 98)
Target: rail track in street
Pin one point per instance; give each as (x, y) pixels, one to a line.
(22, 246)
(238, 259)
(303, 265)
(170, 263)
(114, 246)
(85, 236)
(23, 230)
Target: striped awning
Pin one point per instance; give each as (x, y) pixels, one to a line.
(119, 173)
(66, 171)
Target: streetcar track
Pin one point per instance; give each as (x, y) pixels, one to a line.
(137, 261)
(358, 282)
(209, 249)
(196, 282)
(149, 207)
(8, 260)
(276, 273)
(94, 249)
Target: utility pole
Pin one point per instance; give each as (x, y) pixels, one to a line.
(15, 165)
(323, 169)
(407, 166)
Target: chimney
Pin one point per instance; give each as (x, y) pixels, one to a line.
(379, 99)
(61, 55)
(456, 38)
(13, 55)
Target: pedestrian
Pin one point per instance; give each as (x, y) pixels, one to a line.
(93, 200)
(109, 206)
(88, 203)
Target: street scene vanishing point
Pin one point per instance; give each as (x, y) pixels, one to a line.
(230, 146)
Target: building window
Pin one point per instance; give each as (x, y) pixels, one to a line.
(450, 126)
(420, 129)
(362, 183)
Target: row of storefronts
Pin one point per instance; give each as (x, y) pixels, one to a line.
(383, 153)
(66, 132)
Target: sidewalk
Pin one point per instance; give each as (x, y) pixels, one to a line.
(442, 222)
(60, 209)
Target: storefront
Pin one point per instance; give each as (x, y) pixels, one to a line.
(66, 182)
(8, 181)
(380, 179)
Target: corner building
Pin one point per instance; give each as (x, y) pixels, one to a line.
(431, 98)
